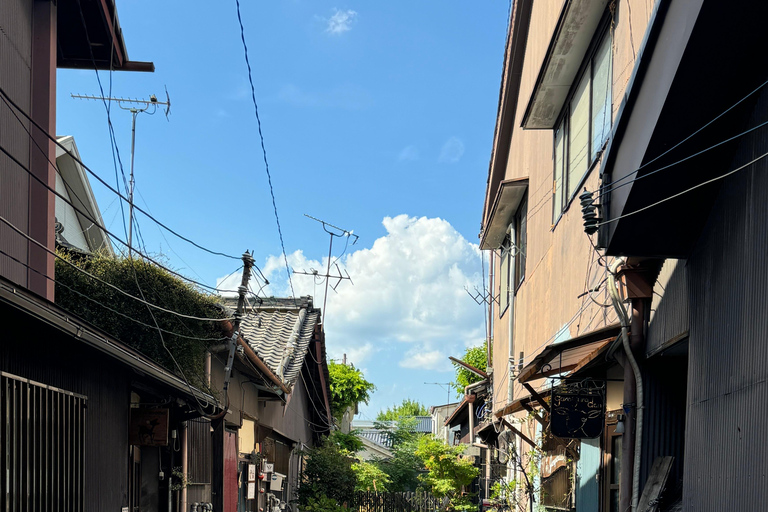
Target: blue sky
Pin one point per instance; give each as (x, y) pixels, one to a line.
(377, 117)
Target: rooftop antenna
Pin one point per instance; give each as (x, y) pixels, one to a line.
(333, 231)
(135, 106)
(446, 386)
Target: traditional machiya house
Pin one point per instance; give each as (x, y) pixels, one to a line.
(554, 331)
(683, 209)
(278, 407)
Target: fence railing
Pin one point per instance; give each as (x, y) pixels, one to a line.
(370, 501)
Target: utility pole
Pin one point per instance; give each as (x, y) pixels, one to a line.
(239, 314)
(135, 107)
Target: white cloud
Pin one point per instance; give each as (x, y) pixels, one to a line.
(452, 151)
(408, 153)
(417, 359)
(407, 304)
(341, 21)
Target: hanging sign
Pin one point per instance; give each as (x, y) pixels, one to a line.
(578, 409)
(149, 427)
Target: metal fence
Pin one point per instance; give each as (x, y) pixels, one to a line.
(369, 501)
(42, 447)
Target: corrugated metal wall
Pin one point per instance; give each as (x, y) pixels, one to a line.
(669, 306)
(15, 79)
(726, 450)
(200, 454)
(39, 353)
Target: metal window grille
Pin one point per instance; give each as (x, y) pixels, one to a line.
(42, 447)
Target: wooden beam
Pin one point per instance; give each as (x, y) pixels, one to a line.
(518, 433)
(536, 396)
(469, 367)
(527, 407)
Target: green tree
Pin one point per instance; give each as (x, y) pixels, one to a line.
(404, 467)
(348, 387)
(406, 409)
(474, 356)
(370, 477)
(447, 473)
(328, 475)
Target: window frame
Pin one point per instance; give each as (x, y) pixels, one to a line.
(602, 33)
(505, 297)
(520, 229)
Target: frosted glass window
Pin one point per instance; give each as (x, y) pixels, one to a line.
(557, 187)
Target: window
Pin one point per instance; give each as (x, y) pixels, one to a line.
(584, 126)
(513, 251)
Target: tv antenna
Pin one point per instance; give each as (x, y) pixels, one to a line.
(446, 386)
(333, 231)
(135, 106)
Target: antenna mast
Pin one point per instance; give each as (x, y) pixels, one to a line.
(135, 107)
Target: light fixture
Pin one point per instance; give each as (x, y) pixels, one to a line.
(620, 424)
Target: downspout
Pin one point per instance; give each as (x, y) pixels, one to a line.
(511, 323)
(184, 463)
(638, 380)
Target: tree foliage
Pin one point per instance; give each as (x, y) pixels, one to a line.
(370, 477)
(328, 475)
(404, 467)
(447, 473)
(406, 409)
(129, 320)
(475, 356)
(348, 387)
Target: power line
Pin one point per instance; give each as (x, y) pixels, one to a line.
(101, 226)
(696, 132)
(263, 148)
(110, 187)
(120, 290)
(684, 191)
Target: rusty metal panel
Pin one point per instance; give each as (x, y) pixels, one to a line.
(669, 307)
(15, 79)
(728, 354)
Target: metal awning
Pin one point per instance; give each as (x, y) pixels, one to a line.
(573, 34)
(505, 205)
(568, 356)
(520, 404)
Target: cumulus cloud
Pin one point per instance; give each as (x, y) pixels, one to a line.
(341, 21)
(408, 153)
(418, 359)
(452, 151)
(408, 299)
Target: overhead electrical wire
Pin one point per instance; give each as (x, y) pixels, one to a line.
(101, 226)
(110, 285)
(263, 148)
(110, 187)
(707, 182)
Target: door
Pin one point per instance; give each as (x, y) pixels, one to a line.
(611, 475)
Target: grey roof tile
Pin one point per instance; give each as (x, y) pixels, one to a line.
(267, 328)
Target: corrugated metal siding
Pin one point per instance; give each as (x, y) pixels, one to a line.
(664, 387)
(15, 79)
(669, 312)
(726, 450)
(40, 353)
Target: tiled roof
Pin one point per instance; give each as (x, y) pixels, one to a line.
(423, 424)
(378, 437)
(270, 326)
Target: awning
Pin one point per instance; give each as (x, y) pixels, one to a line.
(575, 29)
(521, 404)
(505, 205)
(570, 355)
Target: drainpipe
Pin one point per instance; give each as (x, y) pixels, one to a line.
(511, 354)
(633, 384)
(184, 463)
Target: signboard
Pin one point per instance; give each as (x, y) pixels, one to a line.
(251, 472)
(251, 491)
(269, 467)
(149, 427)
(578, 409)
(276, 484)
